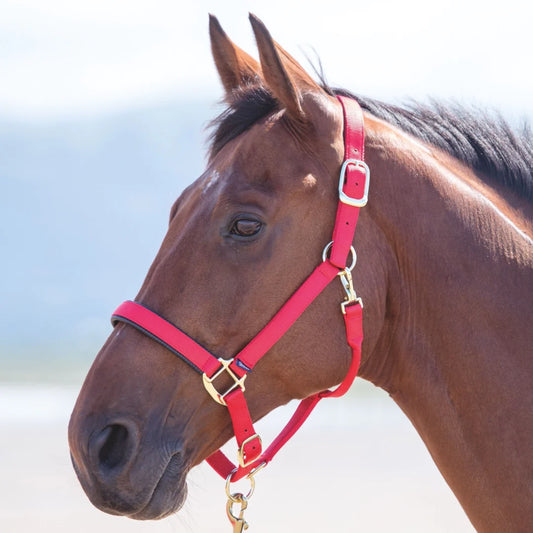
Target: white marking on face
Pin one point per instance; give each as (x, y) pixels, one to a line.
(210, 180)
(309, 181)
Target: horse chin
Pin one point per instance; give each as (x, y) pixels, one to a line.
(167, 496)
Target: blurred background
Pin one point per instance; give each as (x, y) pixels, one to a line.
(103, 109)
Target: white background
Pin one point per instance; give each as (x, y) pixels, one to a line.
(60, 57)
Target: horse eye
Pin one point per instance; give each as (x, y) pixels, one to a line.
(245, 227)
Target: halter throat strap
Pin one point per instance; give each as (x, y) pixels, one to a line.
(353, 193)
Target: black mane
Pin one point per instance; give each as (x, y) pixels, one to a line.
(483, 141)
(249, 105)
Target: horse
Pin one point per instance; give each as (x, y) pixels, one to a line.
(445, 270)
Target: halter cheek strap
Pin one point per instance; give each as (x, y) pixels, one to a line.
(353, 194)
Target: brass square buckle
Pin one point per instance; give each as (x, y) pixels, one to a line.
(240, 454)
(343, 197)
(210, 388)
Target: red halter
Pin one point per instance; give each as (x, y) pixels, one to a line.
(353, 194)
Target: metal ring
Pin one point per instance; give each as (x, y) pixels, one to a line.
(254, 471)
(238, 497)
(354, 255)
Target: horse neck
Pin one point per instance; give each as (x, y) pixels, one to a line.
(455, 347)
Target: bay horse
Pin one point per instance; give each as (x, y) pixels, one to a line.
(445, 271)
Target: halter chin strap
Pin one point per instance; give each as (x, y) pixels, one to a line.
(353, 194)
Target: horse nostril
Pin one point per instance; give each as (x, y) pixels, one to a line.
(111, 453)
(114, 446)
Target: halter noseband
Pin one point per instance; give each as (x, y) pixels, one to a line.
(353, 193)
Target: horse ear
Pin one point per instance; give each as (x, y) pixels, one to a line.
(235, 67)
(285, 77)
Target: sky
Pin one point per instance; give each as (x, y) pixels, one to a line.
(63, 58)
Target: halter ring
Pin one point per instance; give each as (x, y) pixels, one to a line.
(239, 497)
(354, 257)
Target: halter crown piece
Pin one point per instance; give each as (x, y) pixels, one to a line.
(353, 194)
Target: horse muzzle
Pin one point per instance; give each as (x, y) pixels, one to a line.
(123, 474)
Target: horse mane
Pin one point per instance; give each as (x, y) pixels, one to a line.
(249, 105)
(482, 140)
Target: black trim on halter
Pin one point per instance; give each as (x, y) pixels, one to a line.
(118, 318)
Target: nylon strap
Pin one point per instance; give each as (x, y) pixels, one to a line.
(354, 327)
(168, 334)
(286, 316)
(354, 182)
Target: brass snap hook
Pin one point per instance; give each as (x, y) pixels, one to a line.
(347, 283)
(237, 520)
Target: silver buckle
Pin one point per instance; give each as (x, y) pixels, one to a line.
(343, 197)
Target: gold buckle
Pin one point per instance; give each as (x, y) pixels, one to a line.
(240, 452)
(210, 388)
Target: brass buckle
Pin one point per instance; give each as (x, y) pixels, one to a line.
(210, 388)
(240, 453)
(343, 197)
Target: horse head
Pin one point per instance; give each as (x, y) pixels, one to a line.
(240, 240)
